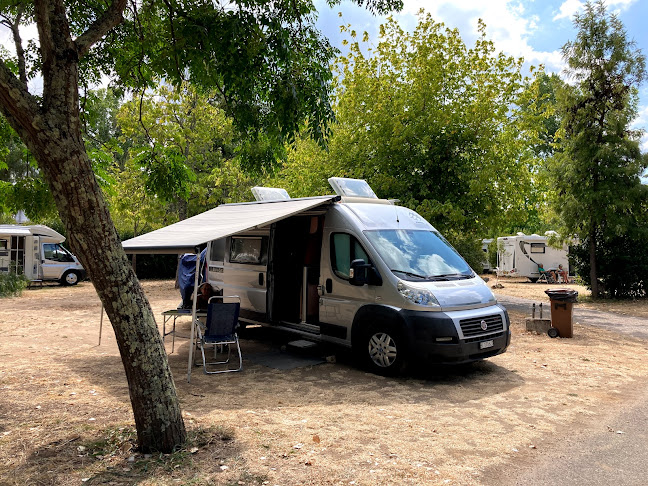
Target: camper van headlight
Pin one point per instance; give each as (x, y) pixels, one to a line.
(416, 295)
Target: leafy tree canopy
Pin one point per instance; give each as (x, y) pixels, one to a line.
(428, 120)
(598, 193)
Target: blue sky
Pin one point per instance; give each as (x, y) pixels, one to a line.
(532, 29)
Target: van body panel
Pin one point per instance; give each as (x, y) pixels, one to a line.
(247, 280)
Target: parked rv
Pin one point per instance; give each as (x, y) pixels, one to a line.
(36, 252)
(363, 273)
(521, 255)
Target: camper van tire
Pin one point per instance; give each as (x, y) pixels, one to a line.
(70, 278)
(383, 349)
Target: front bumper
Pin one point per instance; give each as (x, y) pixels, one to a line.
(438, 337)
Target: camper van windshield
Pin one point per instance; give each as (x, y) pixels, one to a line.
(419, 255)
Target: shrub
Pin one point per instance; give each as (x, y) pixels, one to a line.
(11, 284)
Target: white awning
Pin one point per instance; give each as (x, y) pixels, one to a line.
(228, 219)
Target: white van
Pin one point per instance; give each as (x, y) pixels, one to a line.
(36, 252)
(360, 272)
(520, 255)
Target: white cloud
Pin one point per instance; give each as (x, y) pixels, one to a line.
(507, 24)
(642, 122)
(568, 9)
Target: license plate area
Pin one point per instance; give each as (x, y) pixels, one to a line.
(486, 344)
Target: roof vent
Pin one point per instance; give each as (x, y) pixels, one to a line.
(270, 194)
(351, 187)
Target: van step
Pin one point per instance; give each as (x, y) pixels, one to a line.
(301, 327)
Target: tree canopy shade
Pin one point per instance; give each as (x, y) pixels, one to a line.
(596, 171)
(265, 57)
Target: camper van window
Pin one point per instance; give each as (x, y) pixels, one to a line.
(419, 255)
(344, 249)
(537, 247)
(217, 250)
(56, 253)
(252, 250)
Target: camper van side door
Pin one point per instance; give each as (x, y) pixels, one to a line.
(340, 300)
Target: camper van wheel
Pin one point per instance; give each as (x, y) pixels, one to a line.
(70, 278)
(384, 349)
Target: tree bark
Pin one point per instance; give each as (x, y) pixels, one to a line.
(592, 260)
(51, 129)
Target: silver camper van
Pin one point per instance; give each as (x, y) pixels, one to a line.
(360, 272)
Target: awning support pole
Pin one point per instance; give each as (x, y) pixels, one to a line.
(193, 317)
(101, 323)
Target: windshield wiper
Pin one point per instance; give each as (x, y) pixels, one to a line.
(450, 276)
(410, 274)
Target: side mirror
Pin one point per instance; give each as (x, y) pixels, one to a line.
(358, 274)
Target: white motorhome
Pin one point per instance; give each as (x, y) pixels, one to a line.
(36, 252)
(520, 255)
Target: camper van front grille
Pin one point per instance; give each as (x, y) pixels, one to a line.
(473, 326)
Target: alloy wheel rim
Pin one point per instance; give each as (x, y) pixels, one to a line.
(382, 349)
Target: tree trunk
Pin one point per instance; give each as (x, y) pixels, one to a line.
(93, 238)
(51, 129)
(592, 259)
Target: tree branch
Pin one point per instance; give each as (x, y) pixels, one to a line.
(17, 105)
(47, 44)
(99, 28)
(13, 25)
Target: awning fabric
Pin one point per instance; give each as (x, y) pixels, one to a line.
(225, 220)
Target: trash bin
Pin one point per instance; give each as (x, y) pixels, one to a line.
(562, 303)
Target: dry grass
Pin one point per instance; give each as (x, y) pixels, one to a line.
(65, 415)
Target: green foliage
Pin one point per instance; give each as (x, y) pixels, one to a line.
(267, 60)
(184, 156)
(427, 120)
(493, 248)
(598, 194)
(11, 284)
(622, 263)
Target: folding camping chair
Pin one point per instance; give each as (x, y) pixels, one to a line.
(220, 333)
(546, 276)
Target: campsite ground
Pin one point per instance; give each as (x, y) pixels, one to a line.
(65, 414)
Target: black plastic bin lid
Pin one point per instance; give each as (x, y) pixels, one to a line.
(563, 295)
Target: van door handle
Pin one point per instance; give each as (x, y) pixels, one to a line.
(260, 279)
(320, 290)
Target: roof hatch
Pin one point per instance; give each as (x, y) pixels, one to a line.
(270, 193)
(352, 187)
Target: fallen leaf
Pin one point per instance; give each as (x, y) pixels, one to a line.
(316, 439)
